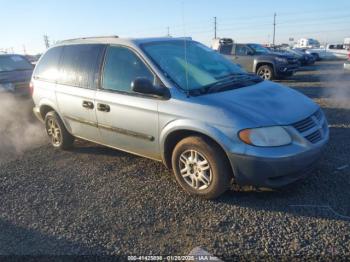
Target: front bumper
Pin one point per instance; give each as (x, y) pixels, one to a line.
(273, 172)
(286, 70)
(278, 166)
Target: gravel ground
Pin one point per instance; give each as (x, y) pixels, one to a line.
(95, 200)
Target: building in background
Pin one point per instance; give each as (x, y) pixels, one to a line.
(307, 43)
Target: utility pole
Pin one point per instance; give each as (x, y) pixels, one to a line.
(274, 30)
(215, 27)
(168, 31)
(46, 41)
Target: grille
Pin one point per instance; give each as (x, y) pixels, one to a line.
(312, 128)
(305, 125)
(292, 60)
(314, 137)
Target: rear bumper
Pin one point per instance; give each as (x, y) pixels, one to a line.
(37, 113)
(273, 172)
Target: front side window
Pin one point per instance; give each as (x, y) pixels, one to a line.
(190, 64)
(80, 65)
(121, 68)
(10, 63)
(259, 49)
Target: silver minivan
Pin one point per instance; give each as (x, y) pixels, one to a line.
(177, 101)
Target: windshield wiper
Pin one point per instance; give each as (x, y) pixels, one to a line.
(230, 82)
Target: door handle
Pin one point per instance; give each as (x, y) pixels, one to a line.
(88, 104)
(103, 107)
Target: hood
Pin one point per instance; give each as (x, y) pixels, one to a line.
(263, 104)
(15, 76)
(271, 56)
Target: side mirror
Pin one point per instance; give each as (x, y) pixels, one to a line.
(145, 86)
(250, 52)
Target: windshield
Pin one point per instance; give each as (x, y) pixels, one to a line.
(190, 64)
(259, 49)
(14, 63)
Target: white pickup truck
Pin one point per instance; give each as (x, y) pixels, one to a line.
(331, 51)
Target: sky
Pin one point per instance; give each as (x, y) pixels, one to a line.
(24, 22)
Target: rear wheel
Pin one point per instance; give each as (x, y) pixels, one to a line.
(59, 136)
(266, 72)
(201, 168)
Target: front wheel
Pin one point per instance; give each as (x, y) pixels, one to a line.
(266, 72)
(201, 168)
(59, 136)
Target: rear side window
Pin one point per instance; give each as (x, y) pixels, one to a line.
(47, 68)
(122, 67)
(80, 65)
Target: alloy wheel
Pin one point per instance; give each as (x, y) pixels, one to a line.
(195, 169)
(54, 132)
(265, 74)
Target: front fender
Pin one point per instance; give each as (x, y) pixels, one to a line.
(224, 136)
(264, 61)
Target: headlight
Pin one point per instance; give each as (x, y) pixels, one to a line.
(281, 60)
(7, 87)
(265, 136)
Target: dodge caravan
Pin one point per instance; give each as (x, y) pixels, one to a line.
(177, 101)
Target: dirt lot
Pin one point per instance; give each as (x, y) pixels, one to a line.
(94, 200)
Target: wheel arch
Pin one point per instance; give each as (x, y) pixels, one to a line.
(46, 106)
(173, 136)
(262, 63)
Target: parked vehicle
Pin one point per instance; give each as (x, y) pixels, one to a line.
(304, 58)
(331, 51)
(15, 74)
(258, 59)
(347, 63)
(195, 111)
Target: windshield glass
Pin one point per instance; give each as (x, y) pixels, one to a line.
(259, 49)
(190, 64)
(14, 63)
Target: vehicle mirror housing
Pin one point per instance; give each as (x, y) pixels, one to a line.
(145, 86)
(250, 52)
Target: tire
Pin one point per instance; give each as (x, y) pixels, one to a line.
(57, 132)
(266, 72)
(216, 173)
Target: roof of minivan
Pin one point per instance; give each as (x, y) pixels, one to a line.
(117, 40)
